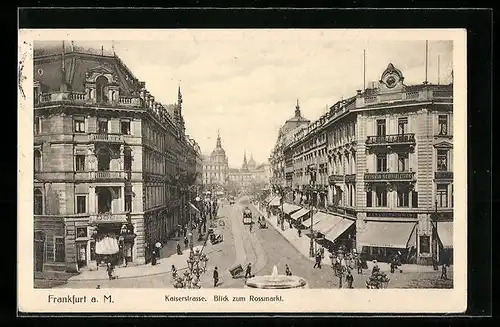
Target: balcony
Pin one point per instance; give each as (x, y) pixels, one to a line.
(341, 210)
(382, 176)
(108, 175)
(351, 178)
(443, 175)
(104, 137)
(332, 179)
(391, 139)
(108, 217)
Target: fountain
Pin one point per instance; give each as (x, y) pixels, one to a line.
(276, 281)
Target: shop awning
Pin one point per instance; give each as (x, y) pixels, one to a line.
(299, 214)
(107, 246)
(386, 234)
(316, 219)
(327, 222)
(275, 202)
(339, 229)
(445, 232)
(289, 208)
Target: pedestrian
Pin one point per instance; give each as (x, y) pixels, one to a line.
(288, 272)
(248, 272)
(349, 278)
(184, 230)
(153, 258)
(318, 260)
(216, 277)
(186, 242)
(375, 268)
(359, 264)
(109, 269)
(179, 252)
(444, 272)
(174, 272)
(299, 231)
(393, 265)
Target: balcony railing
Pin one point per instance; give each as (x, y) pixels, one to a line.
(401, 176)
(351, 178)
(107, 175)
(108, 217)
(341, 210)
(391, 139)
(443, 175)
(335, 178)
(104, 137)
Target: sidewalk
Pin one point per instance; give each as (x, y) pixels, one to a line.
(302, 244)
(168, 257)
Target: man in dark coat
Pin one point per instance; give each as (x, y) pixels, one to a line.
(248, 272)
(350, 279)
(216, 277)
(318, 260)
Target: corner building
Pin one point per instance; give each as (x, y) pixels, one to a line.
(384, 162)
(111, 175)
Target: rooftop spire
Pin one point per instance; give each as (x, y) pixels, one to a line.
(297, 109)
(63, 86)
(219, 145)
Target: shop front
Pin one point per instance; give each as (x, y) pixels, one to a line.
(381, 240)
(111, 241)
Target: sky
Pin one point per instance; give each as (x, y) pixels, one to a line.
(245, 83)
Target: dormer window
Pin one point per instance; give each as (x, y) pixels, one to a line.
(101, 84)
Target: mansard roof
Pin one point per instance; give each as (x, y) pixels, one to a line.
(78, 62)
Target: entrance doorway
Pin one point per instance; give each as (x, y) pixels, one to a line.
(81, 252)
(39, 252)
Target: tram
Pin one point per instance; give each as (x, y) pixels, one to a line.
(247, 216)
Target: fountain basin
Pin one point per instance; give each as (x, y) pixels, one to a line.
(276, 281)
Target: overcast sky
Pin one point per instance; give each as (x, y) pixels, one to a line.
(246, 83)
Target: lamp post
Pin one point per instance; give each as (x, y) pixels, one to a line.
(435, 236)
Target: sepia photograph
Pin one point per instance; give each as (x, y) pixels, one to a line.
(267, 160)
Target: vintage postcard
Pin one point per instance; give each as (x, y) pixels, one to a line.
(302, 170)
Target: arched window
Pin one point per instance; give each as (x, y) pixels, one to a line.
(38, 202)
(101, 85)
(37, 157)
(103, 160)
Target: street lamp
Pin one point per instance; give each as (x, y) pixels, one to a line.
(435, 236)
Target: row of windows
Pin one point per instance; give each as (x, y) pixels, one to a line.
(81, 204)
(159, 195)
(79, 125)
(403, 125)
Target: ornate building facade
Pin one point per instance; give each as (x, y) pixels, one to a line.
(112, 166)
(249, 173)
(215, 167)
(383, 164)
(281, 159)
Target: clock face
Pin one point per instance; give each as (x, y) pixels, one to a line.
(391, 81)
